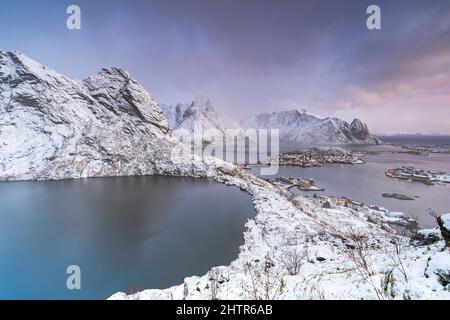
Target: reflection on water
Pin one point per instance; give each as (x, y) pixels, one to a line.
(145, 232)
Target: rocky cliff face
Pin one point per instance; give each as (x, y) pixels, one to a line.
(359, 130)
(53, 127)
(300, 127)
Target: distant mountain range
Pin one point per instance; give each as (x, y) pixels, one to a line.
(296, 126)
(301, 127)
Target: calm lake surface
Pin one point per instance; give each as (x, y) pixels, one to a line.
(141, 232)
(367, 182)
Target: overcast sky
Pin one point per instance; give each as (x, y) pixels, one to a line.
(252, 56)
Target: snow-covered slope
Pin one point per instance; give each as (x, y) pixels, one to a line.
(295, 248)
(53, 127)
(301, 127)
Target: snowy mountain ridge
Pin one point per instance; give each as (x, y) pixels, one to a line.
(303, 128)
(298, 127)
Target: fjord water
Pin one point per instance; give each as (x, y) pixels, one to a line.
(127, 232)
(367, 182)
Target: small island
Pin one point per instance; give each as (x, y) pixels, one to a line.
(398, 196)
(418, 175)
(318, 157)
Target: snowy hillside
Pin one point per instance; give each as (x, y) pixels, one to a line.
(305, 248)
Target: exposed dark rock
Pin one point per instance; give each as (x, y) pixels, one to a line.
(326, 205)
(397, 196)
(359, 130)
(444, 224)
(426, 237)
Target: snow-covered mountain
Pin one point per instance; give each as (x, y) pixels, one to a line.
(302, 128)
(53, 127)
(296, 127)
(201, 114)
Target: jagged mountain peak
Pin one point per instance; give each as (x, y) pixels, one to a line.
(289, 114)
(360, 130)
(202, 107)
(357, 123)
(20, 59)
(199, 111)
(299, 111)
(203, 104)
(17, 64)
(117, 91)
(114, 72)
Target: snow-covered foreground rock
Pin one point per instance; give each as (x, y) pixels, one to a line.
(53, 127)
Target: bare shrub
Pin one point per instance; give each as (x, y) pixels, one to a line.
(414, 229)
(359, 252)
(293, 260)
(388, 285)
(320, 294)
(433, 213)
(266, 283)
(310, 289)
(395, 255)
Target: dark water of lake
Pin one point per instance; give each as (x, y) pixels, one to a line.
(367, 182)
(141, 232)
